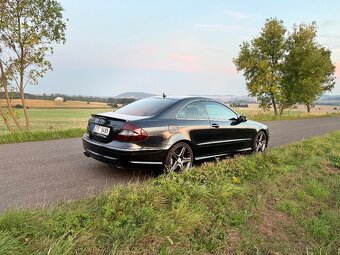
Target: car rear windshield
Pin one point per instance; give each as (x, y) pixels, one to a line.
(146, 107)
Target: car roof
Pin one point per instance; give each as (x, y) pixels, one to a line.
(185, 97)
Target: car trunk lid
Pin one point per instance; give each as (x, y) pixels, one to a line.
(105, 127)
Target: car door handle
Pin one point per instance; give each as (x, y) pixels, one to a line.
(214, 125)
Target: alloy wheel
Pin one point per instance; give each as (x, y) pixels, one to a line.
(180, 157)
(261, 142)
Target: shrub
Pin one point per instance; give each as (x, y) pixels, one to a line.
(18, 106)
(239, 105)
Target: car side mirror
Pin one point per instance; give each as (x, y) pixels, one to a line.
(239, 119)
(242, 118)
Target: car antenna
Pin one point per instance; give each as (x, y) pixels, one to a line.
(164, 96)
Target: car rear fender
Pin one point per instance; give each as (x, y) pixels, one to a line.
(176, 138)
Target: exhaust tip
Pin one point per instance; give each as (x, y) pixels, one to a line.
(115, 166)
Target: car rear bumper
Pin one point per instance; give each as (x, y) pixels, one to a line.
(112, 155)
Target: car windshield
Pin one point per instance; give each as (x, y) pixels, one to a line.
(146, 107)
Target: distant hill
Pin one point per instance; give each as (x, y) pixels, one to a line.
(330, 97)
(16, 95)
(224, 98)
(329, 100)
(232, 98)
(136, 95)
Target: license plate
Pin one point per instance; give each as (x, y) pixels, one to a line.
(101, 130)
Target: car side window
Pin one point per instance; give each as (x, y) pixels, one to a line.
(195, 110)
(218, 111)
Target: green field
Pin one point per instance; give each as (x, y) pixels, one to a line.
(56, 119)
(285, 201)
(48, 124)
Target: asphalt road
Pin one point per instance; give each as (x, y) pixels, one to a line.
(36, 174)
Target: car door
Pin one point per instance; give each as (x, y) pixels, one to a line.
(194, 123)
(226, 133)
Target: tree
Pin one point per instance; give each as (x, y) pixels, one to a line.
(285, 70)
(4, 85)
(4, 115)
(308, 70)
(261, 62)
(28, 29)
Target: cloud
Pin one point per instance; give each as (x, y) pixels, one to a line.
(336, 51)
(150, 49)
(231, 70)
(187, 58)
(222, 27)
(330, 23)
(238, 15)
(162, 61)
(337, 69)
(331, 36)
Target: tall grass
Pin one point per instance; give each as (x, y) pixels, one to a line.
(9, 245)
(42, 135)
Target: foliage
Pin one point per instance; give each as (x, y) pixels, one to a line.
(28, 29)
(121, 100)
(240, 105)
(244, 205)
(18, 106)
(308, 70)
(283, 70)
(261, 60)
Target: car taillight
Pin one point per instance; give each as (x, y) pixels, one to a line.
(131, 132)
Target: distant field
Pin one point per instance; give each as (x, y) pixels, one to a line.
(56, 119)
(255, 113)
(317, 110)
(36, 103)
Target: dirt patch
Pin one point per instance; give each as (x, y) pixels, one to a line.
(234, 240)
(277, 229)
(273, 223)
(330, 170)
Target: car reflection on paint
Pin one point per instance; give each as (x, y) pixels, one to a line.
(171, 131)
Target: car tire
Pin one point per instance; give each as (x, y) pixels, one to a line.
(179, 158)
(260, 142)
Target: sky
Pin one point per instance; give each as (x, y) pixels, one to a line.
(178, 47)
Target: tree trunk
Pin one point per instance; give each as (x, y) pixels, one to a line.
(281, 110)
(308, 108)
(8, 100)
(5, 120)
(274, 103)
(22, 97)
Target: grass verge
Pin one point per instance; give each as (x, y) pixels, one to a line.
(286, 201)
(42, 135)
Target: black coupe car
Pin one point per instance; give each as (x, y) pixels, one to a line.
(171, 131)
